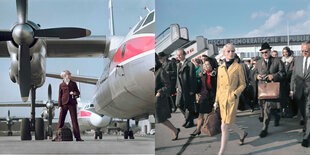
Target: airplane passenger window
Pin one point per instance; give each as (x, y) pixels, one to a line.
(140, 23)
(149, 18)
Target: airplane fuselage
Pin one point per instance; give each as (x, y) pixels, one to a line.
(127, 92)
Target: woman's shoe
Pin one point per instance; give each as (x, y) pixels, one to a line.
(176, 135)
(196, 133)
(241, 142)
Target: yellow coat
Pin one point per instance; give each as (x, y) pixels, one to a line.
(230, 82)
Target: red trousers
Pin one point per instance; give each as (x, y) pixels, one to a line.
(73, 115)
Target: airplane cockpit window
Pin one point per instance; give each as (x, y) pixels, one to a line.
(91, 105)
(139, 25)
(149, 19)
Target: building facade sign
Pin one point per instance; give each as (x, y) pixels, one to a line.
(297, 39)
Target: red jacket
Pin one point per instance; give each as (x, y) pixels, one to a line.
(64, 93)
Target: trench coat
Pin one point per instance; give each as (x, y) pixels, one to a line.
(230, 85)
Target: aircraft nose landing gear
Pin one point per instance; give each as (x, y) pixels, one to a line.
(128, 132)
(98, 134)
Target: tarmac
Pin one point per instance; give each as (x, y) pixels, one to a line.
(283, 140)
(107, 145)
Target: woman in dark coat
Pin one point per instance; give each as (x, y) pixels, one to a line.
(162, 87)
(288, 61)
(207, 93)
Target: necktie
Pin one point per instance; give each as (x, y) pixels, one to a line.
(305, 68)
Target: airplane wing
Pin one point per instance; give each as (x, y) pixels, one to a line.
(4, 52)
(24, 104)
(92, 46)
(83, 79)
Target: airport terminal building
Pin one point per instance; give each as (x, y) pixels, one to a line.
(175, 37)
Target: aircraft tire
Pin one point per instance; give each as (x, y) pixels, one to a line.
(10, 133)
(100, 135)
(25, 129)
(126, 135)
(131, 135)
(39, 129)
(96, 135)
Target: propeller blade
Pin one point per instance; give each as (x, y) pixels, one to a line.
(49, 92)
(62, 33)
(24, 73)
(22, 6)
(5, 35)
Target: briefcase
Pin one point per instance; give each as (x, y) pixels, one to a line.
(269, 90)
(212, 125)
(63, 134)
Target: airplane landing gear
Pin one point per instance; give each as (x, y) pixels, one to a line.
(128, 132)
(36, 125)
(10, 133)
(98, 134)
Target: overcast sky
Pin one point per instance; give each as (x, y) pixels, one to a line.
(90, 14)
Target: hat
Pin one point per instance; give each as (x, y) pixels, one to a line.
(162, 54)
(265, 46)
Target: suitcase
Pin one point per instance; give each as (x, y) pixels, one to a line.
(212, 125)
(63, 134)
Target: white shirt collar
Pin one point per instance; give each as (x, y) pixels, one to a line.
(67, 82)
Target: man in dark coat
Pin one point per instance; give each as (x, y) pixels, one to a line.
(171, 69)
(300, 88)
(68, 92)
(269, 69)
(186, 88)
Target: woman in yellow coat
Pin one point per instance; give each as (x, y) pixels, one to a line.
(230, 84)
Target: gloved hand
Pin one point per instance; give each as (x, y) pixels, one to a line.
(215, 105)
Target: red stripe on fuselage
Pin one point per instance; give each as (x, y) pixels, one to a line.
(134, 47)
(84, 114)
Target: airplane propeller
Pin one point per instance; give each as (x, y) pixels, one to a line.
(24, 35)
(49, 93)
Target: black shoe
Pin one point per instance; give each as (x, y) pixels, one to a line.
(79, 140)
(261, 119)
(301, 122)
(276, 123)
(263, 134)
(241, 142)
(305, 143)
(185, 123)
(177, 135)
(196, 133)
(189, 125)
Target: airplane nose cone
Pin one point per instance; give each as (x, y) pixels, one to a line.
(24, 99)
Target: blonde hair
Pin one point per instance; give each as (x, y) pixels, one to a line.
(226, 45)
(65, 72)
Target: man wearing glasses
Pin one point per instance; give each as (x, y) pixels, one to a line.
(300, 86)
(269, 69)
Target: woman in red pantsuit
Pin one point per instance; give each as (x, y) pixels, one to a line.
(68, 92)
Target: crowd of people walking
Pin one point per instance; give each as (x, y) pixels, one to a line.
(199, 85)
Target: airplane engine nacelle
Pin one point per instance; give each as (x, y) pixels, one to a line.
(99, 121)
